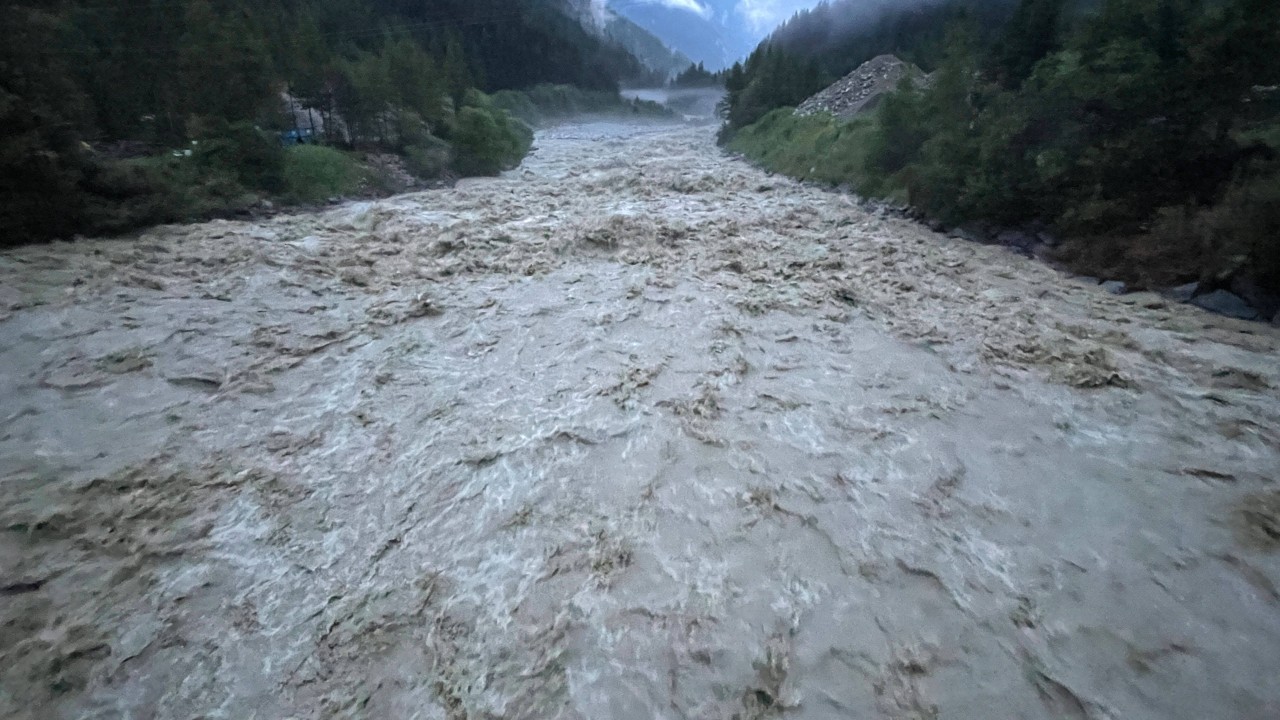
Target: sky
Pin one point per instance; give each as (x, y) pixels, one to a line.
(763, 16)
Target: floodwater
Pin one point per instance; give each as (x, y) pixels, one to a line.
(694, 104)
(635, 431)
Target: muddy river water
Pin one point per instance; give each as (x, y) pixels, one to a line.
(635, 431)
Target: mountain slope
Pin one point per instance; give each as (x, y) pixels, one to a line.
(715, 37)
(645, 46)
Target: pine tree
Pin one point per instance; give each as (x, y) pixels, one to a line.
(226, 72)
(454, 68)
(1032, 34)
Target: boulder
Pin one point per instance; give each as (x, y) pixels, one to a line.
(1245, 286)
(1115, 287)
(1016, 240)
(1148, 300)
(1226, 303)
(1183, 293)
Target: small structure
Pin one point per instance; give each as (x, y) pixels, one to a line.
(302, 136)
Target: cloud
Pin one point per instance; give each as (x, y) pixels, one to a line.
(763, 16)
(693, 6)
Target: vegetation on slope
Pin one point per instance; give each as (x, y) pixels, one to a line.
(1145, 131)
(118, 116)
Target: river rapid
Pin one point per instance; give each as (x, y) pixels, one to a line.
(634, 431)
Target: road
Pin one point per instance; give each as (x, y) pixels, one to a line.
(634, 431)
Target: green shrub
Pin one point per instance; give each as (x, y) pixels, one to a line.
(410, 129)
(314, 172)
(430, 158)
(40, 171)
(518, 104)
(488, 141)
(117, 196)
(900, 132)
(253, 157)
(1240, 233)
(124, 195)
(557, 100)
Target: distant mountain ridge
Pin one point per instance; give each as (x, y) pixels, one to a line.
(717, 38)
(645, 46)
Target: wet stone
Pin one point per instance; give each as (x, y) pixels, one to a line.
(1225, 303)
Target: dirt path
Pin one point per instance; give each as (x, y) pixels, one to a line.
(634, 432)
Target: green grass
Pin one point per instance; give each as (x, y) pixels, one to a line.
(818, 148)
(314, 172)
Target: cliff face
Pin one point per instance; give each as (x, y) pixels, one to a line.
(618, 30)
(591, 13)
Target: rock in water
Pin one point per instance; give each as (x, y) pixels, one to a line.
(1015, 240)
(1115, 287)
(1183, 293)
(1225, 303)
(861, 90)
(1247, 287)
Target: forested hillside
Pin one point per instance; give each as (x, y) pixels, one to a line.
(840, 35)
(89, 87)
(1146, 131)
(817, 46)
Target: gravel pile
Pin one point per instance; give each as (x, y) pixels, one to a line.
(860, 91)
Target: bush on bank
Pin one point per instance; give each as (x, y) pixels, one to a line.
(231, 168)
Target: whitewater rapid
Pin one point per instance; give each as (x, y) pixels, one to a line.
(634, 431)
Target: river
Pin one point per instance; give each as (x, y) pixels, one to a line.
(634, 431)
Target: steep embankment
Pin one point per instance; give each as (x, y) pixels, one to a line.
(634, 430)
(861, 90)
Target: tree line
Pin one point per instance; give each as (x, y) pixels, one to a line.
(819, 45)
(698, 76)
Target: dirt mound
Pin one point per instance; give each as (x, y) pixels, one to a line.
(860, 91)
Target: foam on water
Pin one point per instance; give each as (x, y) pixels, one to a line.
(635, 431)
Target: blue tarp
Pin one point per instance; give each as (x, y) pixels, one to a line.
(298, 137)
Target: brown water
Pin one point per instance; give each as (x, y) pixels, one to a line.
(636, 431)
